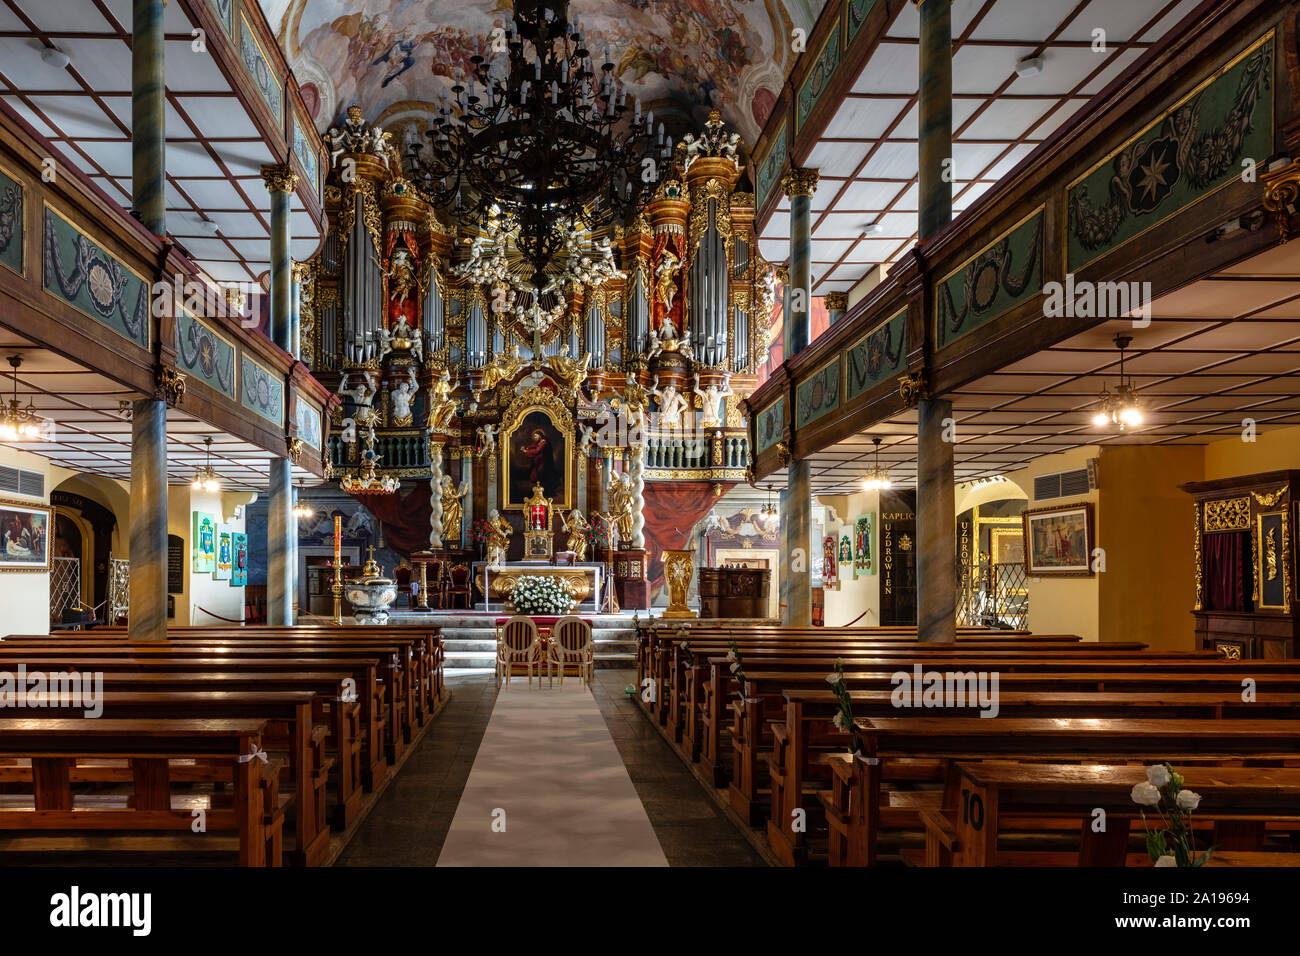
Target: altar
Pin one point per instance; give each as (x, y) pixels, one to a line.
(587, 580)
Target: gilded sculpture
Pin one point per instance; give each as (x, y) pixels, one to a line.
(577, 527)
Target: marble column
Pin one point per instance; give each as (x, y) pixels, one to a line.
(435, 495)
(492, 497)
(799, 186)
(580, 493)
(796, 575)
(281, 530)
(934, 110)
(936, 552)
(148, 116)
(606, 476)
(281, 182)
(467, 477)
(147, 617)
(295, 310)
(836, 303)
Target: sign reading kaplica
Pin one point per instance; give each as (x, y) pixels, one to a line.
(107, 910)
(35, 689)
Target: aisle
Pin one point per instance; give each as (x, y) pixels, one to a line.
(548, 788)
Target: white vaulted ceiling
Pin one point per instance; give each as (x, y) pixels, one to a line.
(214, 150)
(867, 155)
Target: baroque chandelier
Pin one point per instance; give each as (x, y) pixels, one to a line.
(1121, 407)
(538, 139)
(205, 478)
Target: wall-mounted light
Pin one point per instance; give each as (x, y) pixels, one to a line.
(769, 514)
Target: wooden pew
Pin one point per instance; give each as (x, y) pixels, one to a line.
(256, 809)
(1099, 740)
(370, 693)
(988, 799)
(308, 766)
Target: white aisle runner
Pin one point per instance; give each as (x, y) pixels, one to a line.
(548, 788)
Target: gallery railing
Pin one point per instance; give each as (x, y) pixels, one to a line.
(992, 595)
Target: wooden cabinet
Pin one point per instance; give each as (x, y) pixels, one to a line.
(734, 592)
(1246, 550)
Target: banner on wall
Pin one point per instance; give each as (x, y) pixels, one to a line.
(239, 560)
(830, 572)
(204, 543)
(847, 567)
(864, 528)
(224, 555)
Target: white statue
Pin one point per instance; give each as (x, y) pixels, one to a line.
(362, 395)
(714, 401)
(487, 440)
(672, 404)
(401, 396)
(359, 523)
(588, 440)
(385, 341)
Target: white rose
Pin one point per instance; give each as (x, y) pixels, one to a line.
(731, 655)
(1166, 861)
(734, 668)
(839, 721)
(1157, 775)
(832, 679)
(1189, 799)
(1146, 795)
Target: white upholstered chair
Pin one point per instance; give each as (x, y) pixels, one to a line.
(518, 643)
(571, 643)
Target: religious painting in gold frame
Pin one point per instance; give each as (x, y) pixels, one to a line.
(1059, 541)
(537, 448)
(1007, 545)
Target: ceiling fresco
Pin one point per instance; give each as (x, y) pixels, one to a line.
(677, 56)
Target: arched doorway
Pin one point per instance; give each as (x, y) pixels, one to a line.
(87, 524)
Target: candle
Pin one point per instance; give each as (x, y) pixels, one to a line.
(338, 542)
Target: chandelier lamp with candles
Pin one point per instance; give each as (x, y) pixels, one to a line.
(538, 137)
(205, 478)
(18, 423)
(771, 517)
(301, 510)
(877, 478)
(1121, 407)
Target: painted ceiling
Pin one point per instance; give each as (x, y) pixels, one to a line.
(678, 56)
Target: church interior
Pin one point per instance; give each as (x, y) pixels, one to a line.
(691, 433)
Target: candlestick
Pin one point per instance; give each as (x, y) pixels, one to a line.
(338, 579)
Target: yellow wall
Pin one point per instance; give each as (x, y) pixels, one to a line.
(1061, 605)
(25, 595)
(201, 589)
(855, 594)
(1270, 451)
(1145, 528)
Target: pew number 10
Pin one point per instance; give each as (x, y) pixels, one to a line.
(972, 809)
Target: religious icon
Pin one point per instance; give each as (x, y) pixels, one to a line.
(538, 453)
(204, 543)
(225, 555)
(239, 569)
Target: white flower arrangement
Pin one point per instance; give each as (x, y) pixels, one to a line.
(541, 595)
(1173, 843)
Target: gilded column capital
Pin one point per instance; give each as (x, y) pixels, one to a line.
(1281, 193)
(799, 182)
(280, 178)
(836, 301)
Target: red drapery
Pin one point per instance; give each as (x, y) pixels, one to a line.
(1227, 562)
(678, 243)
(671, 511)
(405, 518)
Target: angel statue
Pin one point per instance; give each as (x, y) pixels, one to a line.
(587, 441)
(672, 404)
(401, 277)
(498, 539)
(453, 507)
(714, 401)
(442, 407)
(487, 440)
(577, 527)
(569, 372)
(666, 287)
(401, 396)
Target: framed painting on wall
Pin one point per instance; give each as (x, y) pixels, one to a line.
(239, 559)
(1007, 545)
(24, 537)
(203, 546)
(1059, 541)
(224, 554)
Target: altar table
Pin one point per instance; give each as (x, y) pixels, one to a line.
(497, 583)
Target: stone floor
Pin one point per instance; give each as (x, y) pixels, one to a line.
(409, 825)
